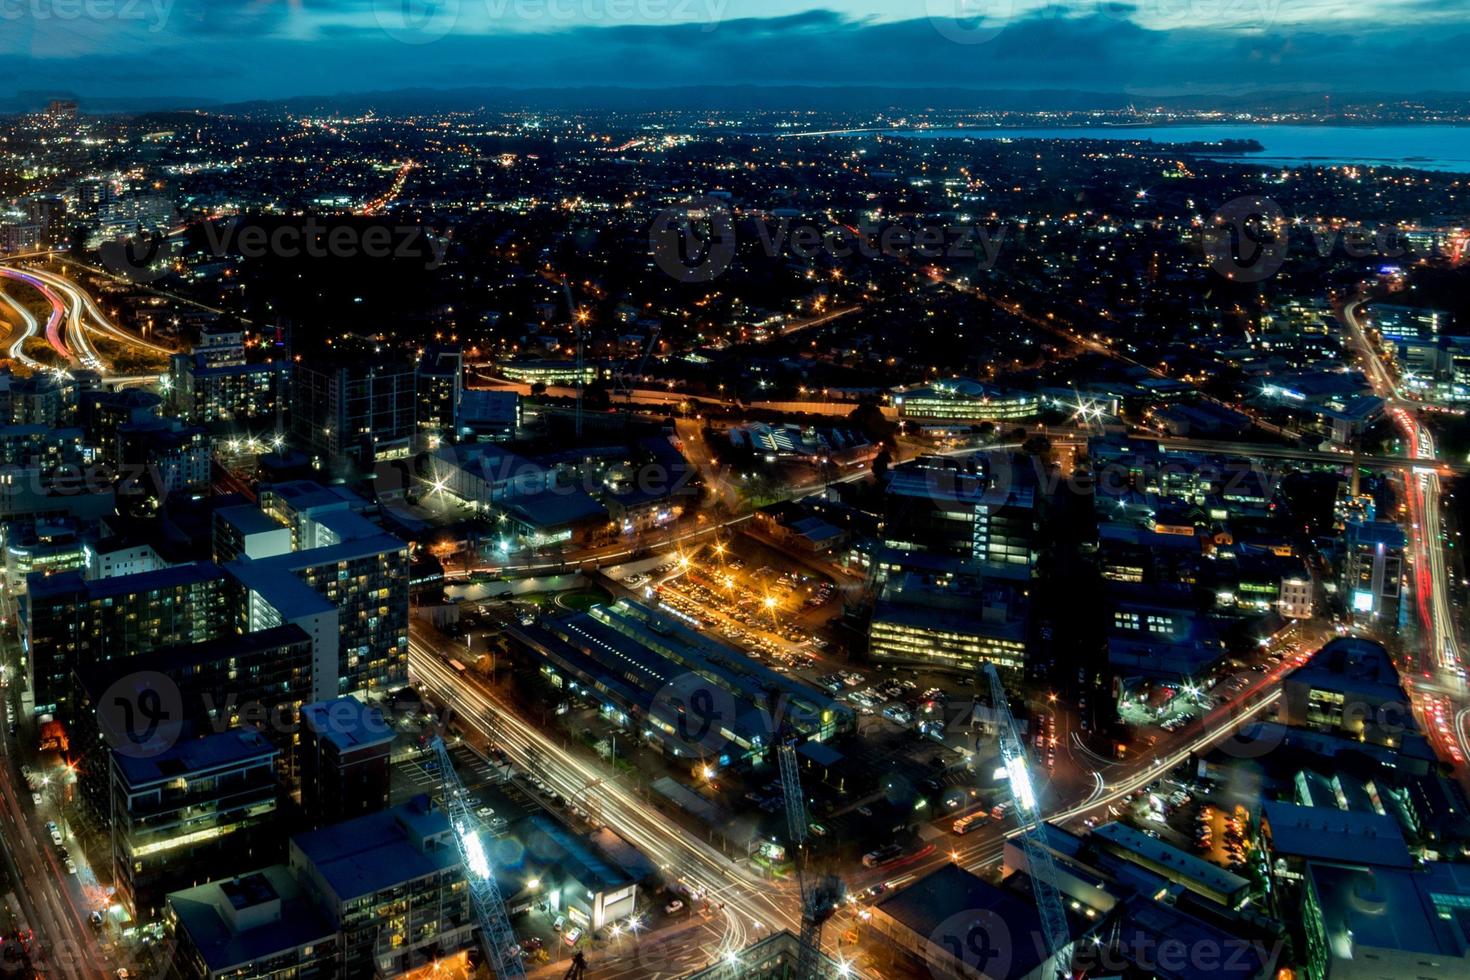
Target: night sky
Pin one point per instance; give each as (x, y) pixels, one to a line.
(213, 50)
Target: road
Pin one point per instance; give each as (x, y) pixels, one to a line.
(44, 888)
(76, 315)
(754, 906)
(1437, 682)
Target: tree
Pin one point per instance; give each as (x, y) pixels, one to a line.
(881, 463)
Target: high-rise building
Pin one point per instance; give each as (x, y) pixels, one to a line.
(977, 517)
(344, 756)
(440, 387)
(353, 401)
(204, 809)
(67, 622)
(360, 573)
(1373, 571)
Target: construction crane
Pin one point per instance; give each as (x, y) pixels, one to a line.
(1039, 861)
(821, 896)
(495, 933)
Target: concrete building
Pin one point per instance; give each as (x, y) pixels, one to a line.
(344, 760)
(393, 885)
(354, 400)
(1211, 881)
(1350, 688)
(642, 665)
(67, 622)
(1373, 571)
(1375, 923)
(202, 809)
(260, 925)
(956, 925)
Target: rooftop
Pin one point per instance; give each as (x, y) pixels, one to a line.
(1329, 834)
(347, 723)
(197, 756)
(1211, 876)
(368, 854)
(952, 899)
(284, 918)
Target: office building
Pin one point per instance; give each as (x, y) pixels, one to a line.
(985, 517)
(489, 415)
(955, 622)
(963, 400)
(1369, 923)
(205, 808)
(1349, 688)
(344, 757)
(1373, 571)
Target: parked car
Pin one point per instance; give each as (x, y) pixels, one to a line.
(674, 906)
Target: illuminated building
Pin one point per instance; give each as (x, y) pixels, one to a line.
(1351, 688)
(963, 400)
(548, 372)
(393, 885)
(261, 925)
(440, 390)
(1365, 923)
(952, 622)
(68, 622)
(625, 654)
(203, 809)
(349, 569)
(1372, 571)
(238, 394)
(976, 517)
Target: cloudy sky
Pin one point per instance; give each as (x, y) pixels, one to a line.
(238, 49)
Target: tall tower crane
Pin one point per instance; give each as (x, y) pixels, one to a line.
(495, 933)
(820, 896)
(1039, 859)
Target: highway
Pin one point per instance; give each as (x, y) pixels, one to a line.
(1437, 682)
(32, 329)
(754, 906)
(75, 317)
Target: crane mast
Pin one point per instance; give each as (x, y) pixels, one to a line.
(1039, 858)
(496, 936)
(819, 896)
